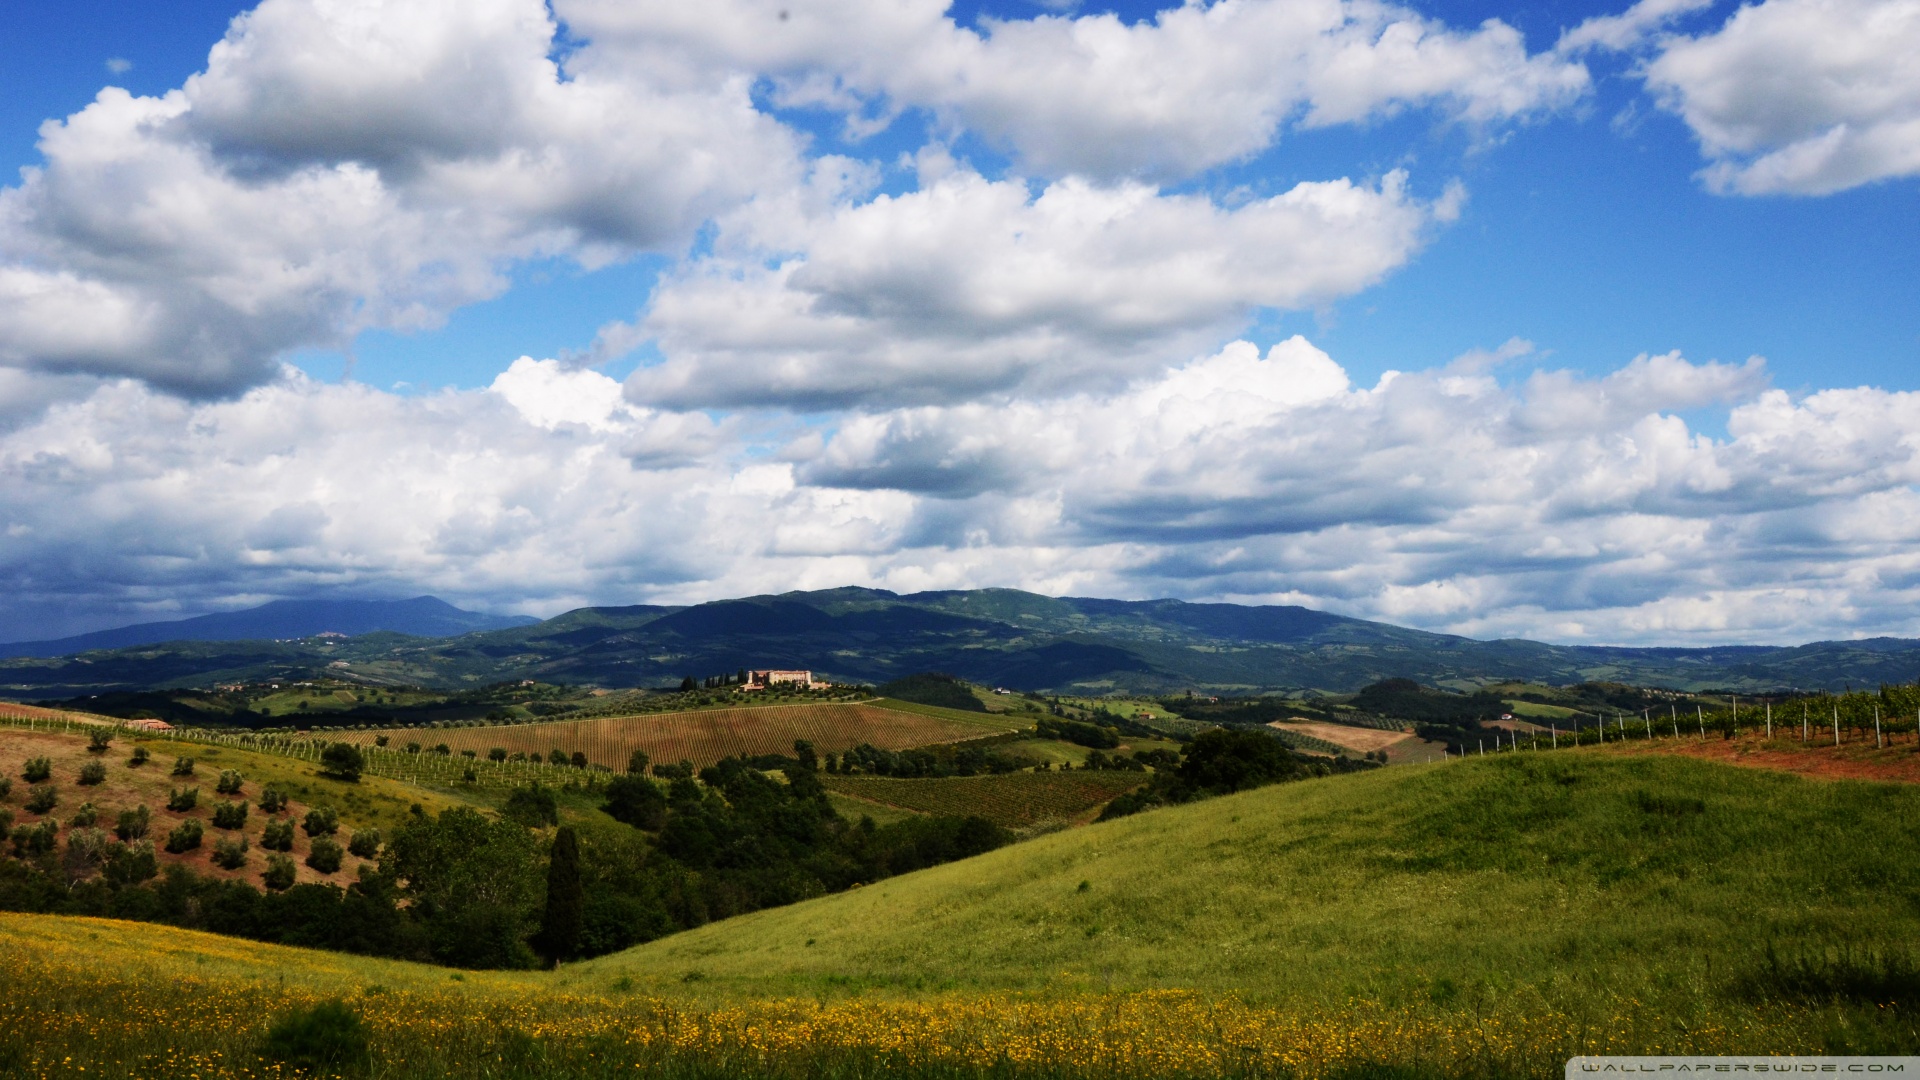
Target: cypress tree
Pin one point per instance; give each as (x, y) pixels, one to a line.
(560, 926)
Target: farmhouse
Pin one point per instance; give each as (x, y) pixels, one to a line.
(150, 725)
(762, 680)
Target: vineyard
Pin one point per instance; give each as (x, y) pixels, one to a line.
(1015, 800)
(700, 737)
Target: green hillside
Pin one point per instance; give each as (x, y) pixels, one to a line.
(1505, 883)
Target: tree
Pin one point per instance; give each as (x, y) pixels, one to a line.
(1226, 760)
(342, 761)
(473, 884)
(636, 801)
(688, 684)
(559, 937)
(637, 762)
(803, 750)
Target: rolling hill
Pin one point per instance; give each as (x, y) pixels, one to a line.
(994, 637)
(1489, 918)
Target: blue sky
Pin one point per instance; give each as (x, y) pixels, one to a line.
(773, 352)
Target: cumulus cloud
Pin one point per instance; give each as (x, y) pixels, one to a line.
(1800, 97)
(1553, 505)
(971, 286)
(1198, 85)
(341, 166)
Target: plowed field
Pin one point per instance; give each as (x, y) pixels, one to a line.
(1014, 800)
(700, 737)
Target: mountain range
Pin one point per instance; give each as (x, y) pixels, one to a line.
(422, 616)
(998, 637)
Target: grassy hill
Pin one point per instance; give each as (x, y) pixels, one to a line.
(1486, 917)
(1509, 882)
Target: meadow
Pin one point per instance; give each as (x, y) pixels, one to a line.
(1022, 801)
(1487, 917)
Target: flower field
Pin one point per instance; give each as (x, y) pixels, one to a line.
(702, 737)
(1015, 800)
(74, 1003)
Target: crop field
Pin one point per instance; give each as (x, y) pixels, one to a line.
(1362, 740)
(1023, 800)
(700, 737)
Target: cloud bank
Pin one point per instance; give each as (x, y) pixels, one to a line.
(1557, 506)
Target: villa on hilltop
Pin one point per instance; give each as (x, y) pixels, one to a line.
(764, 680)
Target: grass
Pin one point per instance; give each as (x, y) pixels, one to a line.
(992, 721)
(1021, 800)
(1482, 918)
(1513, 882)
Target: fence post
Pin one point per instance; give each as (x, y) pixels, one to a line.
(1836, 723)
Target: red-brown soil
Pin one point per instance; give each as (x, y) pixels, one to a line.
(1854, 760)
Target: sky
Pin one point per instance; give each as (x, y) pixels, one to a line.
(1584, 323)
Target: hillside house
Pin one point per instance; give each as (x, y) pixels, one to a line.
(763, 680)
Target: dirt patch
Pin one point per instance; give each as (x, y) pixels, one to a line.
(1849, 761)
(1364, 740)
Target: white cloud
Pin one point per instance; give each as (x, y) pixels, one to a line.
(1629, 29)
(345, 165)
(1439, 498)
(1800, 97)
(1198, 85)
(971, 286)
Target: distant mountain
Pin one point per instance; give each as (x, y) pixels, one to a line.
(422, 616)
(993, 637)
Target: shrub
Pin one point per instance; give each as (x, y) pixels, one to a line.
(131, 864)
(329, 1037)
(230, 853)
(532, 806)
(36, 770)
(43, 799)
(272, 802)
(278, 836)
(34, 839)
(84, 817)
(498, 753)
(380, 740)
(441, 749)
(139, 758)
(229, 783)
(365, 843)
(342, 761)
(579, 760)
(133, 824)
(413, 748)
(469, 754)
(637, 763)
(279, 873)
(6, 786)
(231, 815)
(181, 800)
(321, 821)
(98, 740)
(183, 766)
(324, 855)
(93, 772)
(6, 820)
(185, 838)
(556, 756)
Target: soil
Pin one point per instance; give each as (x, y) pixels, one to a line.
(1856, 760)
